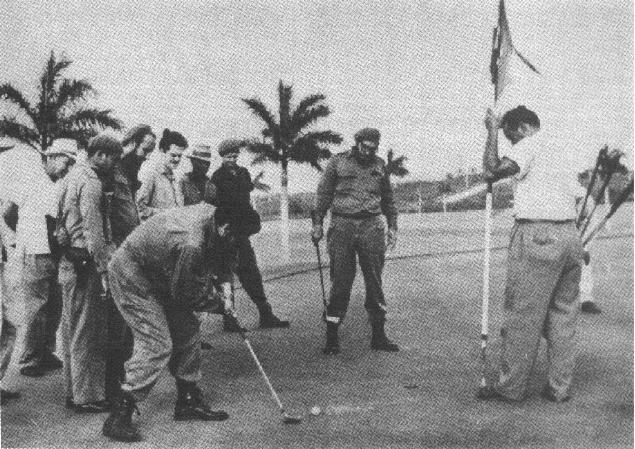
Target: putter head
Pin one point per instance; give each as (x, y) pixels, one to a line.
(291, 419)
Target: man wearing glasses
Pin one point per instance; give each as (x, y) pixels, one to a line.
(356, 187)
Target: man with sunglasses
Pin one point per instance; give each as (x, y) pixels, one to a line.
(356, 187)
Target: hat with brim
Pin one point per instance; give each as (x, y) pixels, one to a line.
(63, 147)
(201, 153)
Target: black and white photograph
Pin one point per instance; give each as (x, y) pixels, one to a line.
(316, 224)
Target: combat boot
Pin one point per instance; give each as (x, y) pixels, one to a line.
(190, 405)
(379, 341)
(119, 426)
(268, 320)
(332, 341)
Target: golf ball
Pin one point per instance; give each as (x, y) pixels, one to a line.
(315, 410)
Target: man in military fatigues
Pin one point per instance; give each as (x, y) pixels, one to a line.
(356, 187)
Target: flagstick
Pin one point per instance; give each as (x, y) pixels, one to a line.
(486, 270)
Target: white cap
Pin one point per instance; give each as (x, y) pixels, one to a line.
(67, 147)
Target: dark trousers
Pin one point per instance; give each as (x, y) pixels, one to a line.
(346, 239)
(248, 272)
(118, 349)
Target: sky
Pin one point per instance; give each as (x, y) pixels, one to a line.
(417, 70)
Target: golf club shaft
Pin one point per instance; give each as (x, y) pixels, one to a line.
(319, 258)
(260, 368)
(600, 195)
(620, 200)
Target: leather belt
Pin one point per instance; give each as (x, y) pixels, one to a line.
(357, 215)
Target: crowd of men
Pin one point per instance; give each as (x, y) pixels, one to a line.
(124, 246)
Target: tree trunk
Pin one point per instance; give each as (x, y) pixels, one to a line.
(284, 212)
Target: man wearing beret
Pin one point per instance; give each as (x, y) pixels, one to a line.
(356, 187)
(231, 186)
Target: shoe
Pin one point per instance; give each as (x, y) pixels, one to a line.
(205, 346)
(230, 325)
(190, 405)
(6, 395)
(550, 395)
(118, 426)
(33, 371)
(270, 321)
(590, 307)
(379, 341)
(51, 362)
(89, 407)
(488, 393)
(332, 346)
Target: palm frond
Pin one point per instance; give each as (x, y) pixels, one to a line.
(304, 105)
(10, 93)
(11, 128)
(52, 72)
(71, 91)
(264, 152)
(310, 116)
(395, 165)
(324, 137)
(259, 109)
(306, 150)
(89, 118)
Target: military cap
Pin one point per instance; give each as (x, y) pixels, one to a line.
(230, 146)
(371, 134)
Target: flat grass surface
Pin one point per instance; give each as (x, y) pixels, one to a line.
(422, 396)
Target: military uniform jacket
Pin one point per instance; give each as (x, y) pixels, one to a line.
(350, 188)
(176, 250)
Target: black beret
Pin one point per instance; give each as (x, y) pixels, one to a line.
(371, 134)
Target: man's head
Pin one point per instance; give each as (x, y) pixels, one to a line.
(59, 157)
(366, 144)
(103, 151)
(173, 144)
(519, 123)
(229, 150)
(140, 139)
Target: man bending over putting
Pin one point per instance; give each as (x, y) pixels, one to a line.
(162, 273)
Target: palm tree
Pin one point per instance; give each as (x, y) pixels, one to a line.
(395, 166)
(60, 111)
(286, 139)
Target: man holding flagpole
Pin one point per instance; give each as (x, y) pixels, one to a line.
(544, 259)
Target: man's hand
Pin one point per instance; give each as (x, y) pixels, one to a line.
(391, 239)
(492, 122)
(317, 233)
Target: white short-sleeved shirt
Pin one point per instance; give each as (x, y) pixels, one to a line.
(546, 188)
(25, 183)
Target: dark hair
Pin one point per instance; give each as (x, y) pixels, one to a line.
(103, 143)
(515, 117)
(171, 138)
(136, 134)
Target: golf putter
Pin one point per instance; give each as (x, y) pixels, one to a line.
(319, 258)
(286, 418)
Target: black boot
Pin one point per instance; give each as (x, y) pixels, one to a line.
(332, 342)
(119, 426)
(268, 320)
(191, 405)
(379, 341)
